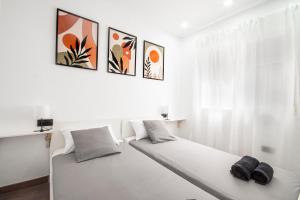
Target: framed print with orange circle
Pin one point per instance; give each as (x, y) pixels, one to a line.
(153, 64)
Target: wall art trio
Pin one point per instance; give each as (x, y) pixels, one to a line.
(77, 46)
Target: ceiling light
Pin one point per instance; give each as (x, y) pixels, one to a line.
(184, 25)
(228, 3)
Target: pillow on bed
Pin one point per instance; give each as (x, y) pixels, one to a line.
(93, 143)
(139, 129)
(158, 132)
(69, 143)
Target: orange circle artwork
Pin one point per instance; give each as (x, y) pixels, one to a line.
(69, 39)
(154, 56)
(116, 36)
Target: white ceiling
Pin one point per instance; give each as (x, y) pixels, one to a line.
(170, 14)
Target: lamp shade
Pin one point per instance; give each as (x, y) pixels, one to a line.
(165, 109)
(42, 112)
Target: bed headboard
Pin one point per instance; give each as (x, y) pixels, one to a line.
(58, 142)
(127, 130)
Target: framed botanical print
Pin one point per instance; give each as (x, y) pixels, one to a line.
(153, 61)
(76, 41)
(121, 58)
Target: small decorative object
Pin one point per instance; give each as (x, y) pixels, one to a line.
(165, 112)
(121, 52)
(76, 41)
(153, 61)
(42, 113)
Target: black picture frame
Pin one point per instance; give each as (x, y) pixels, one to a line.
(108, 51)
(56, 47)
(144, 51)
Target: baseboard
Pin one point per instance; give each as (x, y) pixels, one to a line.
(25, 184)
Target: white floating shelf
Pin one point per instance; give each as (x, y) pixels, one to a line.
(22, 133)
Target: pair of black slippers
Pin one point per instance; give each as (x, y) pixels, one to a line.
(248, 167)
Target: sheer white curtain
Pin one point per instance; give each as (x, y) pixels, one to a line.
(246, 99)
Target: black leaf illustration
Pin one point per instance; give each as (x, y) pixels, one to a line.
(77, 66)
(83, 57)
(114, 58)
(70, 56)
(76, 58)
(73, 51)
(121, 64)
(85, 51)
(81, 61)
(148, 61)
(83, 42)
(77, 46)
(66, 59)
(147, 68)
(125, 71)
(113, 70)
(127, 38)
(127, 44)
(114, 66)
(131, 45)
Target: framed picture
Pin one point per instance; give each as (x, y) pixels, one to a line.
(121, 58)
(153, 61)
(76, 41)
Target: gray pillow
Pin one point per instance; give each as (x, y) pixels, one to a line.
(93, 143)
(157, 131)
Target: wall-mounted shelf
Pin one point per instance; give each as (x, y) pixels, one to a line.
(178, 121)
(22, 133)
(175, 120)
(27, 133)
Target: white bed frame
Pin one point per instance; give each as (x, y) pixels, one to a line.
(126, 128)
(57, 141)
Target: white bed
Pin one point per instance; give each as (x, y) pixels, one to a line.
(129, 176)
(121, 129)
(209, 168)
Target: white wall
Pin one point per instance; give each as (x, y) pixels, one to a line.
(29, 76)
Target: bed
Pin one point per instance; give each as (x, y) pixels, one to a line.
(130, 175)
(208, 169)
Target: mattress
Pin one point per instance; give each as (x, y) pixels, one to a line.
(209, 169)
(127, 176)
